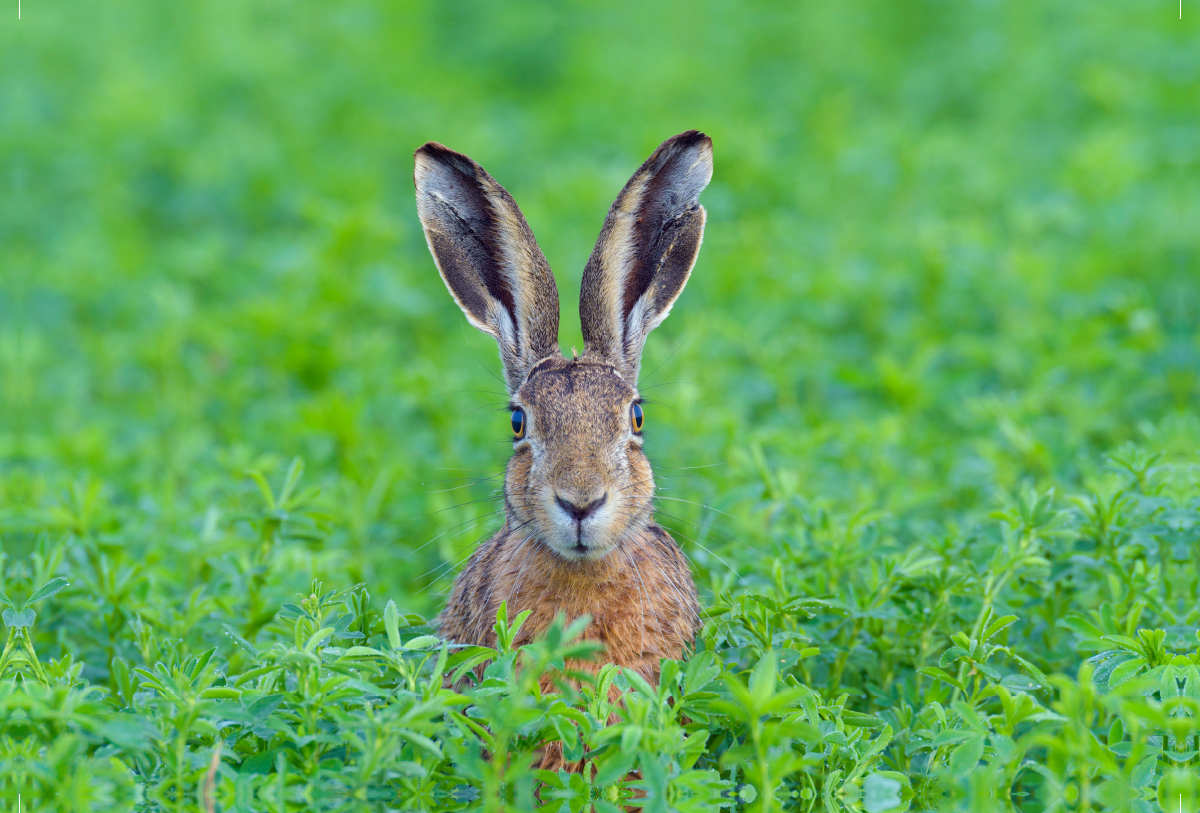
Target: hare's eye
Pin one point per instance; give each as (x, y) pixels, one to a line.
(638, 417)
(518, 423)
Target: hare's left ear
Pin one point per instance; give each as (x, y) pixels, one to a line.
(488, 258)
(646, 251)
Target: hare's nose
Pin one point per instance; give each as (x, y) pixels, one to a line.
(580, 512)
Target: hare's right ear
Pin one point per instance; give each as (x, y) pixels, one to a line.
(645, 252)
(487, 257)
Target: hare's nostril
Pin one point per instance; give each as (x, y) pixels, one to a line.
(581, 512)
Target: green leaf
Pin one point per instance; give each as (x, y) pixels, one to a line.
(1125, 642)
(1019, 683)
(966, 757)
(614, 767)
(300, 658)
(986, 670)
(881, 791)
(294, 473)
(221, 693)
(240, 641)
(48, 589)
(1126, 671)
(1036, 674)
(317, 637)
(853, 718)
(938, 674)
(15, 619)
(264, 488)
(702, 669)
(762, 680)
(999, 624)
(951, 655)
(422, 642)
(260, 763)
(391, 623)
(1116, 732)
(1144, 771)
(289, 611)
(363, 652)
(951, 737)
(466, 659)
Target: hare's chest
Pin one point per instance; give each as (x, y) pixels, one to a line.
(618, 610)
(637, 627)
(642, 605)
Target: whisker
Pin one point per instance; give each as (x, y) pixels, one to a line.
(516, 591)
(673, 478)
(684, 468)
(732, 569)
(456, 392)
(439, 567)
(660, 404)
(452, 507)
(645, 597)
(702, 505)
(458, 479)
(443, 567)
(503, 407)
(670, 356)
(459, 525)
(481, 364)
(465, 485)
(706, 527)
(664, 384)
(711, 593)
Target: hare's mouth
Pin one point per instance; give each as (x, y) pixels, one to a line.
(580, 550)
(580, 528)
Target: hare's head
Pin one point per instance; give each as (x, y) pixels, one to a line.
(578, 480)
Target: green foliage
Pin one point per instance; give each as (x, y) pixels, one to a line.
(925, 419)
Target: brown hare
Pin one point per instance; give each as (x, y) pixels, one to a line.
(579, 535)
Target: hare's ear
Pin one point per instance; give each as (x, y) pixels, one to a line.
(645, 252)
(487, 257)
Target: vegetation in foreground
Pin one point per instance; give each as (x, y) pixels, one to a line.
(926, 421)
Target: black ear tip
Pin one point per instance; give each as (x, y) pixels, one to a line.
(688, 146)
(439, 155)
(431, 149)
(690, 138)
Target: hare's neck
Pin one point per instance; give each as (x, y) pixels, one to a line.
(640, 598)
(525, 572)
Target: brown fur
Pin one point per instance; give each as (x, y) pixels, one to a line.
(640, 596)
(579, 536)
(642, 615)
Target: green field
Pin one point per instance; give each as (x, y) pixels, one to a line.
(925, 419)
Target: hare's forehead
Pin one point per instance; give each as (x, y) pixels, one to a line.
(576, 393)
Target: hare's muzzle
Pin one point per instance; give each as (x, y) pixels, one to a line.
(580, 510)
(577, 540)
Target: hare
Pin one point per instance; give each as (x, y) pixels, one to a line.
(579, 535)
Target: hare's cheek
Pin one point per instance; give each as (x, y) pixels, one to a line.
(518, 478)
(641, 477)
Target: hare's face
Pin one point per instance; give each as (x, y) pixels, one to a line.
(578, 481)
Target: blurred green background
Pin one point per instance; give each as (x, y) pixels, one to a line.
(952, 249)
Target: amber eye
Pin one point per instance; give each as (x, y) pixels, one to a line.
(638, 417)
(518, 423)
